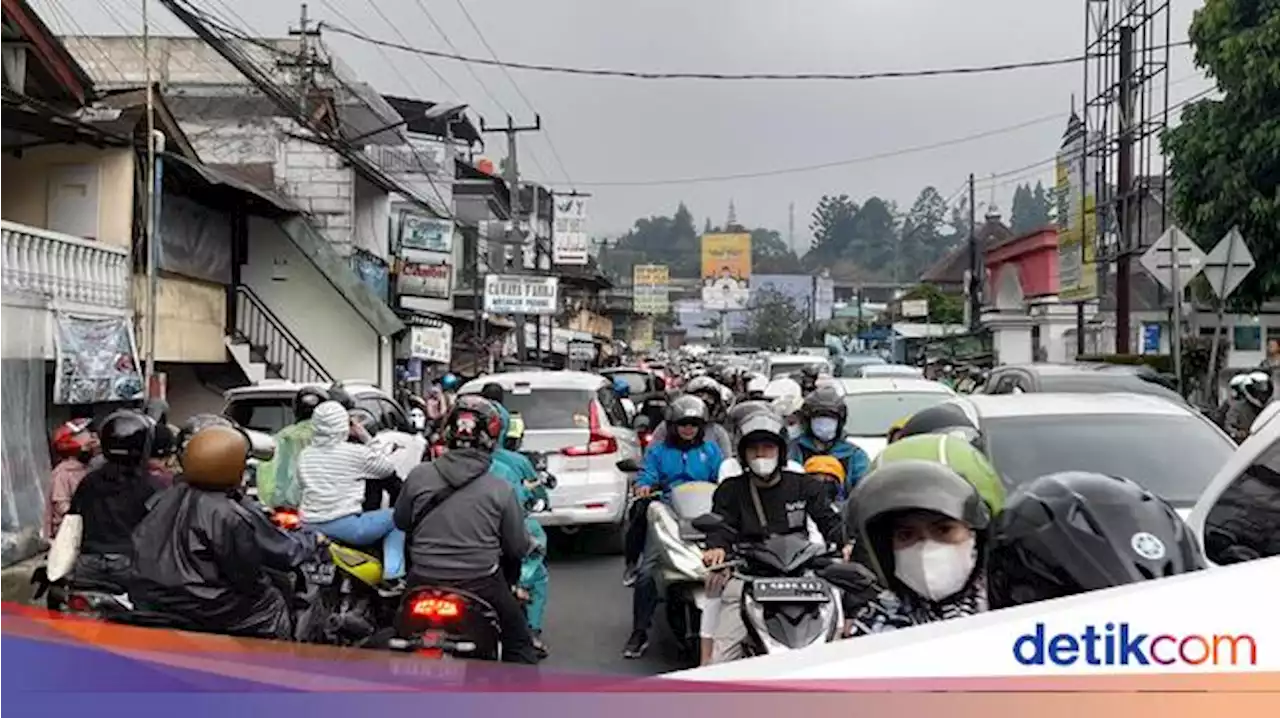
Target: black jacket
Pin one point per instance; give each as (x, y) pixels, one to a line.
(201, 555)
(787, 504)
(111, 500)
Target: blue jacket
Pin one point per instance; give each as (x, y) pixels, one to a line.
(855, 460)
(666, 466)
(517, 462)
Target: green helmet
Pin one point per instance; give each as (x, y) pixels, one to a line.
(954, 452)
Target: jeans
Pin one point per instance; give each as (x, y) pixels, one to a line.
(637, 530)
(365, 529)
(644, 599)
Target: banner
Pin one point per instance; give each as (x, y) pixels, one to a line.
(434, 281)
(650, 289)
(433, 343)
(1077, 218)
(373, 272)
(96, 360)
(424, 233)
(569, 243)
(508, 294)
(726, 271)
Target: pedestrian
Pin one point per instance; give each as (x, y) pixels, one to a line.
(74, 445)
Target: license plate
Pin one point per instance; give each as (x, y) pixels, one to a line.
(789, 589)
(320, 574)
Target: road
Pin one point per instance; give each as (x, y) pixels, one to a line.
(589, 619)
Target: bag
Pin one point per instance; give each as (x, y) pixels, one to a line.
(432, 504)
(66, 547)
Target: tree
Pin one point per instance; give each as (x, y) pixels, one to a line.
(943, 308)
(875, 234)
(1020, 216)
(1223, 157)
(832, 226)
(771, 255)
(1043, 203)
(774, 322)
(922, 241)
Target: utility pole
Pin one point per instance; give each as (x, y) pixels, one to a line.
(517, 214)
(791, 228)
(153, 250)
(975, 263)
(305, 62)
(1124, 192)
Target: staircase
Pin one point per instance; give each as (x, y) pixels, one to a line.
(265, 349)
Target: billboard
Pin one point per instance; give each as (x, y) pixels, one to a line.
(1077, 218)
(650, 284)
(521, 294)
(726, 271)
(569, 243)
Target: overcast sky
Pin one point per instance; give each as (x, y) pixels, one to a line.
(615, 130)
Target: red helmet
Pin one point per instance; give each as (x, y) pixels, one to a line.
(72, 438)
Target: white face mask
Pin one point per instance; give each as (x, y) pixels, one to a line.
(935, 570)
(824, 427)
(794, 431)
(763, 466)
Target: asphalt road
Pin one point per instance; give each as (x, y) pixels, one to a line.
(589, 619)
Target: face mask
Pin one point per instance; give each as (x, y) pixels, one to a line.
(824, 427)
(933, 569)
(763, 466)
(794, 431)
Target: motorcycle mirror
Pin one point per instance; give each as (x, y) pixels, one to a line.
(261, 446)
(707, 523)
(549, 481)
(628, 466)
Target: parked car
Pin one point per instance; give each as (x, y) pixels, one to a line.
(574, 422)
(777, 366)
(1082, 378)
(874, 404)
(852, 366)
(1237, 518)
(1170, 448)
(268, 405)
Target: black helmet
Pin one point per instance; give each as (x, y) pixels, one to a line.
(945, 418)
(126, 436)
(1072, 532)
(164, 442)
(708, 386)
(825, 401)
(811, 372)
(340, 395)
(688, 408)
(473, 423)
(198, 422)
(762, 426)
(306, 401)
(907, 485)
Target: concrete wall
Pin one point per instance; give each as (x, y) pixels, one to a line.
(372, 207)
(192, 320)
(314, 176)
(310, 307)
(91, 191)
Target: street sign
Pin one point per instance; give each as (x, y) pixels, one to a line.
(1158, 259)
(915, 308)
(1228, 264)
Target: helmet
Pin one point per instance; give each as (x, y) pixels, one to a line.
(825, 464)
(306, 401)
(905, 486)
(1258, 389)
(366, 420)
(621, 387)
(787, 405)
(810, 372)
(762, 427)
(1236, 385)
(72, 438)
(895, 429)
(757, 385)
(1073, 532)
(515, 432)
(126, 436)
(198, 422)
(945, 418)
(449, 382)
(215, 458)
(339, 394)
(825, 401)
(742, 410)
(473, 423)
(688, 408)
(164, 442)
(964, 458)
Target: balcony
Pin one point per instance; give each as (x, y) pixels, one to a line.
(64, 270)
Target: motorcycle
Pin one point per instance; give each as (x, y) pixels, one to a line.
(680, 574)
(786, 604)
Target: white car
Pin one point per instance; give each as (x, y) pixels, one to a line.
(900, 371)
(875, 404)
(1238, 516)
(1169, 448)
(784, 365)
(575, 422)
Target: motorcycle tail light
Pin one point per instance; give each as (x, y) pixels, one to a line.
(287, 520)
(436, 608)
(78, 603)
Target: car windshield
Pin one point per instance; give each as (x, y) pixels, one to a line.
(266, 414)
(553, 409)
(1172, 456)
(873, 414)
(637, 381)
(1103, 383)
(781, 369)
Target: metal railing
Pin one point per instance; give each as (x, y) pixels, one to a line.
(279, 348)
(64, 268)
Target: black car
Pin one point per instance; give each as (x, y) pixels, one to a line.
(1082, 378)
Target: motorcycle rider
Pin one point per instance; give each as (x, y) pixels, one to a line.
(1255, 393)
(756, 386)
(822, 418)
(765, 500)
(829, 471)
(809, 379)
(75, 445)
(953, 451)
(622, 390)
(277, 479)
(332, 472)
(112, 498)
(945, 418)
(466, 526)
(921, 531)
(201, 553)
(440, 399)
(686, 454)
(709, 391)
(1073, 532)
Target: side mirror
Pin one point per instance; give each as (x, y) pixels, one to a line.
(261, 446)
(707, 523)
(628, 466)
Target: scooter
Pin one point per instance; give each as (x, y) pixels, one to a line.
(786, 604)
(680, 574)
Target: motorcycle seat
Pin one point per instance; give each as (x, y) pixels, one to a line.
(89, 584)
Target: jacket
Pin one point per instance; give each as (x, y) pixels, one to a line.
(518, 463)
(332, 470)
(787, 507)
(715, 432)
(111, 500)
(278, 479)
(201, 555)
(666, 465)
(468, 535)
(855, 460)
(875, 609)
(66, 477)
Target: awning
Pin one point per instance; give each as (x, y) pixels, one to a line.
(267, 203)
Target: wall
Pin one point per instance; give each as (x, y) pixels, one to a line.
(187, 395)
(24, 194)
(372, 218)
(314, 177)
(310, 307)
(192, 319)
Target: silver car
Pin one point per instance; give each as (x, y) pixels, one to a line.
(575, 423)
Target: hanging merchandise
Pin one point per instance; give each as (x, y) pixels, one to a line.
(96, 360)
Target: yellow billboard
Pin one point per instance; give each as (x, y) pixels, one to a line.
(649, 289)
(1078, 230)
(726, 271)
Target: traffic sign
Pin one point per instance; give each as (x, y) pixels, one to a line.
(1158, 259)
(1228, 264)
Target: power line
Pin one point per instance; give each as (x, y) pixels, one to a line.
(655, 75)
(386, 58)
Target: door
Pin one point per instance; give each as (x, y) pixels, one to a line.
(1238, 517)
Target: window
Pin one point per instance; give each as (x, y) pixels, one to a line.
(613, 407)
(873, 414)
(1005, 384)
(1244, 523)
(1247, 339)
(393, 417)
(637, 381)
(552, 409)
(1174, 456)
(266, 414)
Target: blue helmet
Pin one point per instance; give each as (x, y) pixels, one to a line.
(621, 388)
(449, 382)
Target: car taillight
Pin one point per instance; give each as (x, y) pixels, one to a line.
(436, 608)
(286, 519)
(437, 450)
(599, 442)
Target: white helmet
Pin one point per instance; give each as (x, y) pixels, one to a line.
(758, 383)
